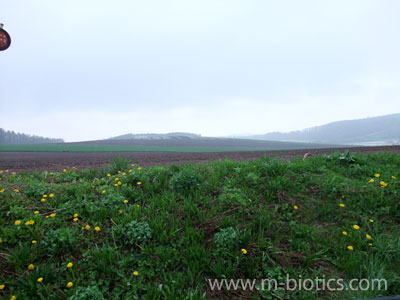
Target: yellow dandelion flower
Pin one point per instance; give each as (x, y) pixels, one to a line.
(30, 222)
(356, 227)
(116, 184)
(120, 211)
(70, 265)
(2, 191)
(40, 279)
(370, 244)
(16, 190)
(125, 201)
(130, 171)
(116, 179)
(295, 207)
(97, 228)
(344, 232)
(371, 220)
(377, 175)
(103, 192)
(2, 286)
(17, 222)
(139, 168)
(108, 175)
(75, 219)
(51, 195)
(123, 174)
(132, 165)
(47, 217)
(70, 284)
(34, 242)
(136, 273)
(351, 248)
(342, 205)
(52, 215)
(244, 251)
(383, 184)
(371, 181)
(137, 205)
(36, 212)
(139, 183)
(13, 297)
(368, 236)
(31, 267)
(119, 172)
(119, 182)
(13, 173)
(44, 196)
(43, 200)
(65, 170)
(87, 227)
(76, 215)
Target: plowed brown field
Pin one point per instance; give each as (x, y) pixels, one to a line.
(56, 161)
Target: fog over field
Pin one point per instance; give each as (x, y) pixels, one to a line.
(199, 149)
(89, 70)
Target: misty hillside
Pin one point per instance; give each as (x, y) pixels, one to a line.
(157, 136)
(383, 130)
(10, 137)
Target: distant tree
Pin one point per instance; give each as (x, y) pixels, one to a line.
(10, 137)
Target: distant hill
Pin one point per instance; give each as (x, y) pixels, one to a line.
(185, 144)
(10, 137)
(383, 130)
(157, 136)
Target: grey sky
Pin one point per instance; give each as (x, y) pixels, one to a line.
(84, 70)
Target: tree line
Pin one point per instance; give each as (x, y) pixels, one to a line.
(10, 137)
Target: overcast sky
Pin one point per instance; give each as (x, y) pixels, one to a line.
(85, 70)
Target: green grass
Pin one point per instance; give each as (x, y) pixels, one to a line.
(185, 224)
(140, 148)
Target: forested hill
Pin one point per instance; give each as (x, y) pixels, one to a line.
(157, 136)
(383, 130)
(10, 137)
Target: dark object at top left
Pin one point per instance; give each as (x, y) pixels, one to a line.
(5, 39)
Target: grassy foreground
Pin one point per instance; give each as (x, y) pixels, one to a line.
(159, 233)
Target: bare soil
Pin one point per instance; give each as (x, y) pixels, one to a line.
(205, 142)
(56, 161)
